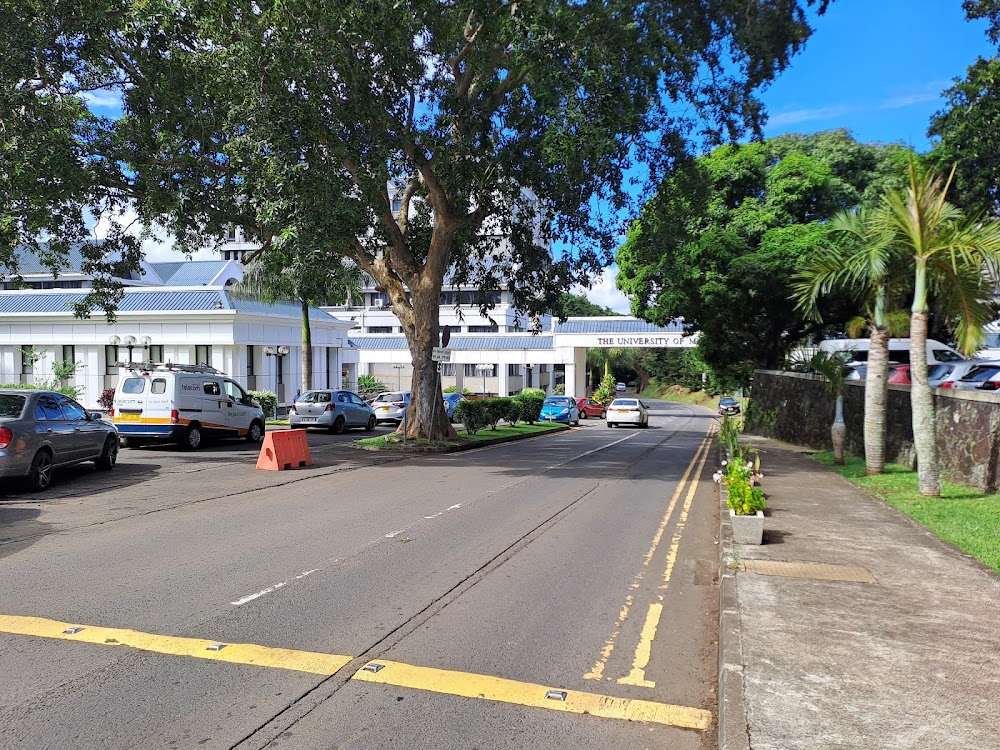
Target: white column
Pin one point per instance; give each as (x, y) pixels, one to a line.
(502, 388)
(576, 374)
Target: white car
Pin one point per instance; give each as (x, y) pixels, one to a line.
(984, 377)
(620, 387)
(627, 411)
(389, 407)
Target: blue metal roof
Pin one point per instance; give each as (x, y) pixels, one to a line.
(459, 343)
(615, 325)
(195, 273)
(29, 263)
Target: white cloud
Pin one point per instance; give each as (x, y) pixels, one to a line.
(929, 92)
(103, 100)
(604, 292)
(158, 248)
(795, 116)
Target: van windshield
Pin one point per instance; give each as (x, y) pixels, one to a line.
(945, 355)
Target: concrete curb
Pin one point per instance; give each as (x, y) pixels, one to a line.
(734, 731)
(459, 448)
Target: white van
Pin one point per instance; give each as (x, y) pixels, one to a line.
(184, 404)
(899, 350)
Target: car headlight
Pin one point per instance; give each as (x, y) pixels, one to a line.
(564, 411)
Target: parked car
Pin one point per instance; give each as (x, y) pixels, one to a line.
(899, 374)
(389, 406)
(619, 387)
(985, 377)
(628, 411)
(41, 431)
(333, 410)
(947, 374)
(560, 409)
(590, 408)
(451, 400)
(729, 405)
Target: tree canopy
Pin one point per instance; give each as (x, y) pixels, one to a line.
(578, 305)
(418, 138)
(719, 243)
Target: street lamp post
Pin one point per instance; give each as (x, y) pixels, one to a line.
(146, 342)
(398, 368)
(484, 369)
(278, 352)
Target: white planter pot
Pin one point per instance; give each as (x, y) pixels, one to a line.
(747, 529)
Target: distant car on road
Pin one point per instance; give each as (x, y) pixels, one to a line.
(333, 410)
(560, 409)
(590, 408)
(389, 406)
(628, 411)
(451, 400)
(728, 405)
(41, 431)
(619, 387)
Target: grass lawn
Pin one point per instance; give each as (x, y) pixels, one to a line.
(277, 422)
(483, 437)
(962, 515)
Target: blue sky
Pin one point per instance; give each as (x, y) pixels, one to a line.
(875, 67)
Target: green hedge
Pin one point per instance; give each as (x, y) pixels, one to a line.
(268, 402)
(66, 390)
(472, 414)
(530, 407)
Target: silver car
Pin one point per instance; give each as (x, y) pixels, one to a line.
(332, 410)
(946, 374)
(983, 377)
(41, 431)
(389, 407)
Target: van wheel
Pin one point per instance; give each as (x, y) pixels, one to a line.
(371, 424)
(133, 443)
(109, 454)
(338, 426)
(40, 473)
(255, 433)
(192, 438)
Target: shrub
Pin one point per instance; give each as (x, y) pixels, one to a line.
(66, 390)
(512, 411)
(268, 402)
(739, 475)
(472, 414)
(454, 389)
(559, 390)
(496, 409)
(605, 392)
(107, 398)
(533, 393)
(369, 385)
(530, 407)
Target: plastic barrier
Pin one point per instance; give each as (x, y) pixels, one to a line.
(284, 449)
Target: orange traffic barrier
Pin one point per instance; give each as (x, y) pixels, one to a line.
(284, 449)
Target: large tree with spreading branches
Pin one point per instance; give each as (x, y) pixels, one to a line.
(421, 139)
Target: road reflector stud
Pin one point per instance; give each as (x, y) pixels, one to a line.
(556, 695)
(373, 667)
(216, 647)
(72, 631)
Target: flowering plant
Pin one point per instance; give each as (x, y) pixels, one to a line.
(739, 476)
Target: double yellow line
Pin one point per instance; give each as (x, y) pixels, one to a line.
(637, 675)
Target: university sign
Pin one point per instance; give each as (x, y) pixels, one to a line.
(631, 340)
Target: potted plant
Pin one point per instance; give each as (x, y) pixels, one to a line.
(739, 478)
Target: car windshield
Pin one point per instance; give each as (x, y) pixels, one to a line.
(11, 405)
(622, 402)
(981, 374)
(940, 371)
(727, 401)
(558, 401)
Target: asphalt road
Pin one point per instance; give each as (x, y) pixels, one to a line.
(370, 601)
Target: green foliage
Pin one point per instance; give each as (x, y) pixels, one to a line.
(64, 370)
(369, 385)
(758, 419)
(68, 390)
(605, 392)
(533, 393)
(530, 405)
(454, 389)
(495, 409)
(268, 402)
(577, 305)
(720, 241)
(559, 390)
(473, 414)
(743, 498)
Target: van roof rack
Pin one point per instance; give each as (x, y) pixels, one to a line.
(175, 367)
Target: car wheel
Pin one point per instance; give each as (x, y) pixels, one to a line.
(255, 432)
(583, 415)
(604, 415)
(371, 424)
(338, 426)
(611, 424)
(40, 473)
(133, 443)
(192, 438)
(109, 454)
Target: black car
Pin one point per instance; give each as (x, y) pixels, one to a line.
(729, 405)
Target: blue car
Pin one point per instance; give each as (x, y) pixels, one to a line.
(560, 409)
(451, 400)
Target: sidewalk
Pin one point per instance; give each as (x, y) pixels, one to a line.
(909, 661)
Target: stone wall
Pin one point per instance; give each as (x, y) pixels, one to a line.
(793, 407)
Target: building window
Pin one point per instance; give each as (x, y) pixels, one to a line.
(27, 359)
(448, 369)
(397, 204)
(202, 354)
(156, 352)
(110, 360)
(513, 369)
(483, 329)
(231, 234)
(69, 353)
(379, 329)
(250, 370)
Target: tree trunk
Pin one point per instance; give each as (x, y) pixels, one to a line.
(922, 406)
(426, 416)
(643, 374)
(838, 431)
(307, 352)
(876, 400)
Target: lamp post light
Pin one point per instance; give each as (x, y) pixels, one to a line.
(145, 342)
(278, 352)
(484, 369)
(398, 368)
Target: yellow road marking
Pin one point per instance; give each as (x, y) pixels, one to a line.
(234, 653)
(597, 671)
(644, 650)
(484, 687)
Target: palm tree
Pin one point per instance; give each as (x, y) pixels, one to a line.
(954, 256)
(306, 275)
(860, 262)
